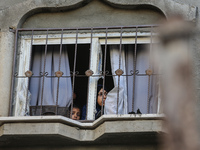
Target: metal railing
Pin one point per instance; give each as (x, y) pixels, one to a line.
(89, 73)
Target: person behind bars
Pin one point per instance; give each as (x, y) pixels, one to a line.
(100, 96)
(76, 113)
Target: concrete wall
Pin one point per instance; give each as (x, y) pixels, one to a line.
(8, 3)
(94, 14)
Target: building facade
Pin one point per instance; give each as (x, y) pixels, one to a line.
(92, 38)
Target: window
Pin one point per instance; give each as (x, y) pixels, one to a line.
(52, 64)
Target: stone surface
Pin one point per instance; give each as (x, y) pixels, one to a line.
(6, 57)
(37, 131)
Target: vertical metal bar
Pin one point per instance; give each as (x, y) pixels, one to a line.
(44, 71)
(39, 88)
(41, 52)
(148, 94)
(29, 69)
(120, 53)
(91, 38)
(134, 68)
(74, 70)
(13, 73)
(59, 70)
(104, 70)
(149, 77)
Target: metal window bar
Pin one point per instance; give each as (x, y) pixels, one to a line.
(61, 40)
(104, 70)
(74, 71)
(120, 53)
(134, 71)
(74, 74)
(43, 74)
(149, 77)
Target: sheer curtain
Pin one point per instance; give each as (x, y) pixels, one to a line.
(50, 83)
(141, 82)
(111, 100)
(126, 82)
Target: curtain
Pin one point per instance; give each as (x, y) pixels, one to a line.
(126, 82)
(141, 82)
(111, 100)
(50, 83)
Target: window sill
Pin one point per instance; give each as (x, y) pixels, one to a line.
(69, 132)
(82, 124)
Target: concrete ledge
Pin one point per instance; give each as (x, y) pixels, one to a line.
(108, 126)
(80, 124)
(77, 130)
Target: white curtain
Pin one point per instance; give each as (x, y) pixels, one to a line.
(111, 100)
(141, 82)
(126, 82)
(50, 84)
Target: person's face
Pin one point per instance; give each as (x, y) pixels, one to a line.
(76, 114)
(100, 95)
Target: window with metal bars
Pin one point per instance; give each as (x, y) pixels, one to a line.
(53, 64)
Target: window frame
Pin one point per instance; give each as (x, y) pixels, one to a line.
(94, 39)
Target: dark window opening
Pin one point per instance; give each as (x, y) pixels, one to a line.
(82, 64)
(109, 84)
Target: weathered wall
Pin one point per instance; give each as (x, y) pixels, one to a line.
(94, 14)
(6, 54)
(4, 4)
